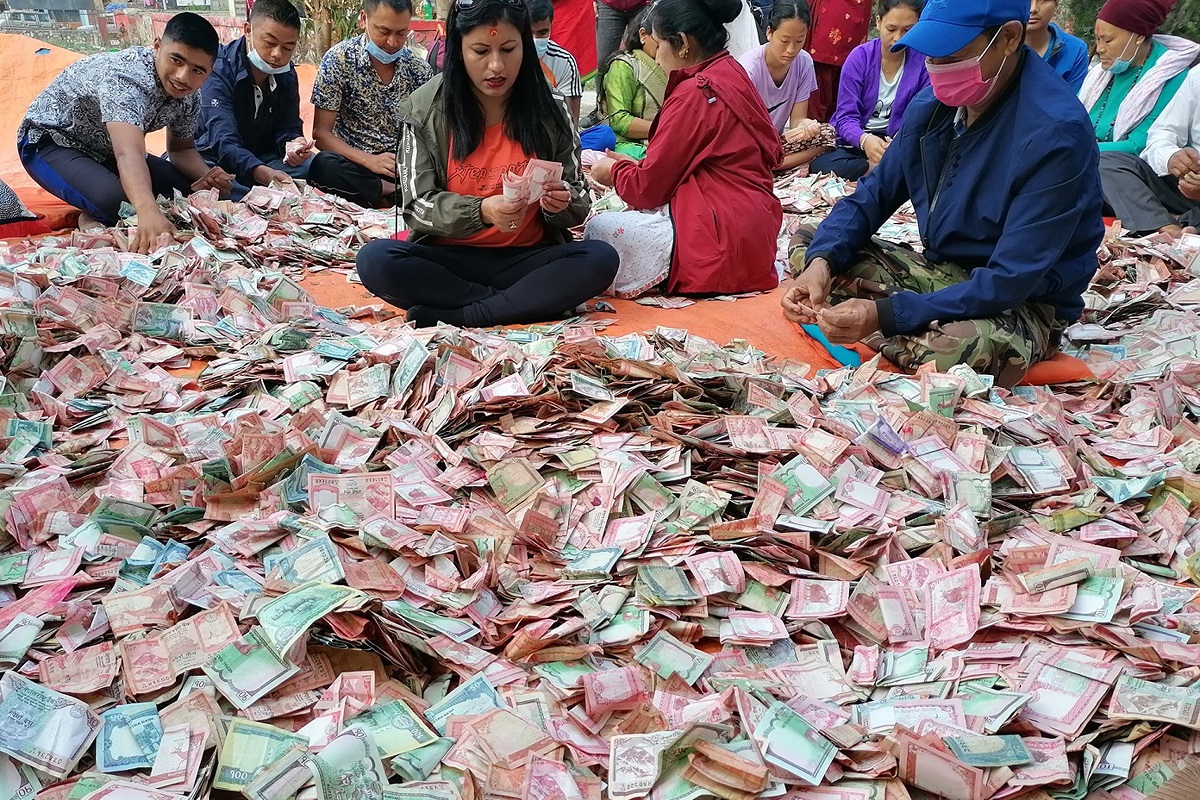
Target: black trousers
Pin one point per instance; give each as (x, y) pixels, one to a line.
(1142, 200)
(340, 175)
(89, 185)
(480, 287)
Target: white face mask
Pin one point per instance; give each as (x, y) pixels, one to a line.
(261, 65)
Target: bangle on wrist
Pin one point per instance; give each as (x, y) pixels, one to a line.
(862, 140)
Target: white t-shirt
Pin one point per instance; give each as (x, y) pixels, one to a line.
(882, 115)
(743, 32)
(561, 64)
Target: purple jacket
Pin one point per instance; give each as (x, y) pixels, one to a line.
(859, 90)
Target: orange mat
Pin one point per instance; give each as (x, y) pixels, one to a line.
(759, 320)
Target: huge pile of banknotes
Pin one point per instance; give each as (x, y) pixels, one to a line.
(356, 561)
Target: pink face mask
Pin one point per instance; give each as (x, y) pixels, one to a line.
(961, 83)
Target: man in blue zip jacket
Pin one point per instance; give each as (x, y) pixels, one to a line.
(250, 106)
(1066, 53)
(1000, 162)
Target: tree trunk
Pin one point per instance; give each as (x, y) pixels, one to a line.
(324, 33)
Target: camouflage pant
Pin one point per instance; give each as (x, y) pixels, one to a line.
(1004, 346)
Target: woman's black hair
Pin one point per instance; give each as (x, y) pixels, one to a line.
(531, 111)
(782, 12)
(632, 40)
(884, 6)
(703, 21)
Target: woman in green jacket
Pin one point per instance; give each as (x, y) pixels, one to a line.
(483, 249)
(1135, 73)
(634, 86)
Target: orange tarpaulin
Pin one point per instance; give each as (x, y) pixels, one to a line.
(29, 65)
(758, 319)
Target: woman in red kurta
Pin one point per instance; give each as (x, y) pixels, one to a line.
(838, 26)
(713, 218)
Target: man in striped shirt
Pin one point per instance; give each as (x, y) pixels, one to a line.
(557, 62)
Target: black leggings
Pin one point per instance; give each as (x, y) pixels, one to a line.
(478, 287)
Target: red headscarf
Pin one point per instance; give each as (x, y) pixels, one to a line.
(1140, 17)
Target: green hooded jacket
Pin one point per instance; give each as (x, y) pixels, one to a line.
(430, 210)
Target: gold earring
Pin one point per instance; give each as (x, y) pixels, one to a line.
(684, 53)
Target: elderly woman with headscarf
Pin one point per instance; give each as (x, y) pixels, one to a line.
(1135, 74)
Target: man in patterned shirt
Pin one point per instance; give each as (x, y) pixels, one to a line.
(358, 88)
(84, 137)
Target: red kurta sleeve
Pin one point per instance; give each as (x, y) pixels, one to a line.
(680, 139)
(838, 27)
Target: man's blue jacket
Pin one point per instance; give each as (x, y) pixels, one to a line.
(230, 134)
(1014, 199)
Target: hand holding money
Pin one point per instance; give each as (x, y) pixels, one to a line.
(804, 129)
(556, 197)
(215, 178)
(297, 151)
(502, 212)
(516, 187)
(531, 185)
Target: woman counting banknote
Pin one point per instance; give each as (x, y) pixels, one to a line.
(485, 149)
(705, 216)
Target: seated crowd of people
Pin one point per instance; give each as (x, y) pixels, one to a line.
(1009, 142)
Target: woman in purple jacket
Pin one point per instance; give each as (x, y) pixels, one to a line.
(876, 87)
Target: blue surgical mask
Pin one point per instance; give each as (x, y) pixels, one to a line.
(542, 46)
(1122, 64)
(383, 56)
(261, 65)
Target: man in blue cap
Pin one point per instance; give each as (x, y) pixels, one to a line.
(999, 159)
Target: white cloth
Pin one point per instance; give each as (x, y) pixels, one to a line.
(882, 114)
(1177, 127)
(1142, 97)
(645, 241)
(743, 32)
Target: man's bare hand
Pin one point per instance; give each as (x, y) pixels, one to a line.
(809, 293)
(152, 227)
(215, 178)
(850, 321)
(1189, 186)
(1184, 162)
(265, 176)
(297, 151)
(382, 164)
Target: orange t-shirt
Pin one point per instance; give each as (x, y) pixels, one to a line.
(481, 174)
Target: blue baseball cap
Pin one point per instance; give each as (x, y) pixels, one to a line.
(947, 26)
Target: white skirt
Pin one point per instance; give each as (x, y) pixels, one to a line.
(644, 240)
